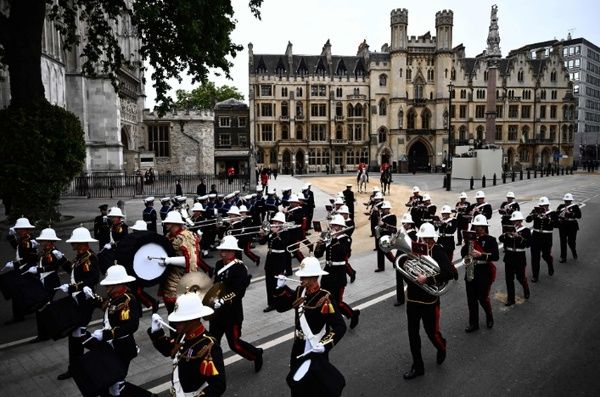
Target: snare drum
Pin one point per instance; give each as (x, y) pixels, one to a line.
(97, 370)
(59, 318)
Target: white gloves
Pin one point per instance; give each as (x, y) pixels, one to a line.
(64, 288)
(156, 324)
(318, 348)
(219, 303)
(12, 231)
(32, 270)
(9, 265)
(34, 244)
(107, 246)
(88, 292)
(280, 281)
(98, 334)
(58, 254)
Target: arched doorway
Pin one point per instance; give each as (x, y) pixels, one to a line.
(510, 157)
(546, 156)
(299, 161)
(418, 157)
(287, 162)
(125, 138)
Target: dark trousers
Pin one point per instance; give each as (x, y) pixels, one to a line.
(400, 297)
(75, 349)
(478, 293)
(568, 235)
(275, 265)
(541, 245)
(462, 225)
(430, 315)
(349, 269)
(248, 251)
(233, 333)
(309, 217)
(345, 309)
(515, 267)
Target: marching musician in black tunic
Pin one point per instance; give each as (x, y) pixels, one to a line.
(102, 226)
(428, 210)
(25, 259)
(350, 227)
(415, 204)
(484, 251)
(121, 320)
(446, 227)
(85, 274)
(544, 222)
(336, 254)
(245, 241)
(481, 207)
(277, 241)
(508, 207)
(423, 306)
(568, 213)
(232, 225)
(375, 215)
(463, 217)
(516, 240)
(318, 325)
(229, 312)
(296, 214)
(387, 227)
(310, 203)
(51, 259)
(198, 367)
(149, 215)
(118, 228)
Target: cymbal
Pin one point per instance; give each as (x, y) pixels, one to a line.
(198, 282)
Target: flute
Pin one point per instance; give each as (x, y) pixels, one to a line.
(280, 277)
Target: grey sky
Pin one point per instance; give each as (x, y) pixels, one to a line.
(309, 23)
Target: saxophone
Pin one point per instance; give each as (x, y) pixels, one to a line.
(469, 262)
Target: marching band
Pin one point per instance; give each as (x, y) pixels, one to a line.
(424, 245)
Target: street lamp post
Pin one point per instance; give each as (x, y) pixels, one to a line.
(448, 162)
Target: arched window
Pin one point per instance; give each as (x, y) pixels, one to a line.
(382, 107)
(480, 133)
(445, 73)
(553, 76)
(525, 134)
(339, 132)
(382, 135)
(426, 119)
(543, 132)
(339, 109)
(382, 80)
(453, 74)
(358, 110)
(419, 91)
(299, 110)
(520, 76)
(485, 76)
(408, 74)
(410, 123)
(285, 132)
(462, 133)
(299, 133)
(350, 110)
(400, 118)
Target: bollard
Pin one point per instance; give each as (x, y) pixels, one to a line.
(535, 173)
(541, 173)
(483, 181)
(552, 171)
(444, 183)
(504, 177)
(472, 183)
(528, 174)
(494, 181)
(563, 171)
(512, 177)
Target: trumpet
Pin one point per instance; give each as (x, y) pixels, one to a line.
(246, 231)
(412, 266)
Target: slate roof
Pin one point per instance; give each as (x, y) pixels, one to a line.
(307, 64)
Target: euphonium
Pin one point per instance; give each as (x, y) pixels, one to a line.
(411, 265)
(469, 262)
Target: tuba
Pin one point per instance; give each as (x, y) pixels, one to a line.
(415, 265)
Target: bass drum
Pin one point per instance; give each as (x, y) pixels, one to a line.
(133, 251)
(315, 376)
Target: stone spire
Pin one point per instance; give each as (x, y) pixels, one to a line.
(493, 40)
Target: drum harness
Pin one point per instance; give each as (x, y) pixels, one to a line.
(176, 389)
(310, 339)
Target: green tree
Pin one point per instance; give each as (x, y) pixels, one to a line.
(178, 36)
(205, 96)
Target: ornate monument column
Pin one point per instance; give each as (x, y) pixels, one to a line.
(492, 54)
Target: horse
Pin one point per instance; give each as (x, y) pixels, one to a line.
(362, 179)
(386, 181)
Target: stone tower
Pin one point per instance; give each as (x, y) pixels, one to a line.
(398, 24)
(492, 54)
(398, 53)
(443, 27)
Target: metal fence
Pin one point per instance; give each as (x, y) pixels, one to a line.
(164, 185)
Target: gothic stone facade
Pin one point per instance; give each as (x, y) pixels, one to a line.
(392, 106)
(182, 142)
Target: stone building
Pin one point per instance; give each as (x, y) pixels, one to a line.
(109, 119)
(393, 106)
(178, 142)
(232, 137)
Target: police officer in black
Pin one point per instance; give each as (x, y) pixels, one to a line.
(423, 306)
(102, 226)
(349, 199)
(229, 311)
(121, 320)
(483, 251)
(516, 240)
(446, 227)
(568, 213)
(508, 207)
(278, 258)
(149, 215)
(198, 367)
(387, 227)
(544, 222)
(164, 210)
(336, 253)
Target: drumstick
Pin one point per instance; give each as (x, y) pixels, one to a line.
(310, 351)
(287, 278)
(166, 325)
(87, 340)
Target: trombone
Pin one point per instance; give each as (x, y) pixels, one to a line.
(218, 221)
(325, 237)
(265, 228)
